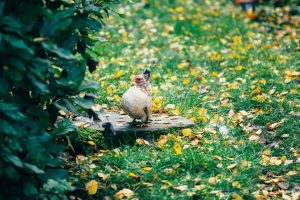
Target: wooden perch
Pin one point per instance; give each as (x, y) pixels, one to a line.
(113, 123)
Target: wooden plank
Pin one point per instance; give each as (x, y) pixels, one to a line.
(121, 123)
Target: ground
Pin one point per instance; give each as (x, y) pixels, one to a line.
(237, 79)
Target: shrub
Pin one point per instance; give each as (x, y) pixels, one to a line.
(44, 50)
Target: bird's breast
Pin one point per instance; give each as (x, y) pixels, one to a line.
(134, 101)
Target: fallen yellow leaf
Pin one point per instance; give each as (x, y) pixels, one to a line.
(212, 180)
(92, 187)
(186, 81)
(133, 175)
(175, 112)
(157, 101)
(217, 157)
(124, 193)
(147, 168)
(187, 132)
(236, 184)
(256, 91)
(195, 87)
(91, 143)
(267, 152)
(177, 149)
(181, 187)
(231, 166)
(277, 124)
(215, 74)
(253, 137)
(119, 74)
(292, 73)
(202, 111)
(236, 197)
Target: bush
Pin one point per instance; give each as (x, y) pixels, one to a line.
(44, 50)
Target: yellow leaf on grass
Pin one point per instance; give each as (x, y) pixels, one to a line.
(119, 74)
(256, 91)
(157, 101)
(83, 174)
(236, 184)
(237, 40)
(141, 141)
(260, 98)
(133, 175)
(181, 187)
(91, 143)
(110, 90)
(292, 73)
(91, 187)
(292, 173)
(253, 137)
(162, 141)
(177, 149)
(215, 74)
(217, 157)
(195, 87)
(239, 68)
(267, 152)
(293, 91)
(182, 65)
(202, 111)
(175, 112)
(187, 132)
(117, 98)
(124, 194)
(277, 124)
(231, 166)
(237, 197)
(147, 168)
(186, 81)
(212, 180)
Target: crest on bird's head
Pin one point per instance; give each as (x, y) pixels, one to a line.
(147, 73)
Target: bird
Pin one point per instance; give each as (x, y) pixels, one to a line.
(136, 101)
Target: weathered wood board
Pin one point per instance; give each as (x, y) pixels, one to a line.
(121, 123)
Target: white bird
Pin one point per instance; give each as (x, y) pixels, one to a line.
(136, 101)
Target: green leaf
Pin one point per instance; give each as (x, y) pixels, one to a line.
(15, 115)
(11, 23)
(14, 160)
(17, 43)
(76, 75)
(39, 84)
(33, 168)
(122, 15)
(89, 86)
(8, 107)
(29, 189)
(65, 13)
(7, 128)
(64, 127)
(11, 173)
(61, 52)
(57, 174)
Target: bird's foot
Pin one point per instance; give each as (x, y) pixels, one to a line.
(133, 123)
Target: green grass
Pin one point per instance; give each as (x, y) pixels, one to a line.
(162, 37)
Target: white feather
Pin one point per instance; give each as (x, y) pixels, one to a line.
(134, 100)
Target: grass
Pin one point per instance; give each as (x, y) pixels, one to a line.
(219, 70)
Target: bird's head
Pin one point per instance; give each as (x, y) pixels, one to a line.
(142, 79)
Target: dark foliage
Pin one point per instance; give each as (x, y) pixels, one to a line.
(44, 50)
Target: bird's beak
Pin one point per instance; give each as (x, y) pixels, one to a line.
(134, 79)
